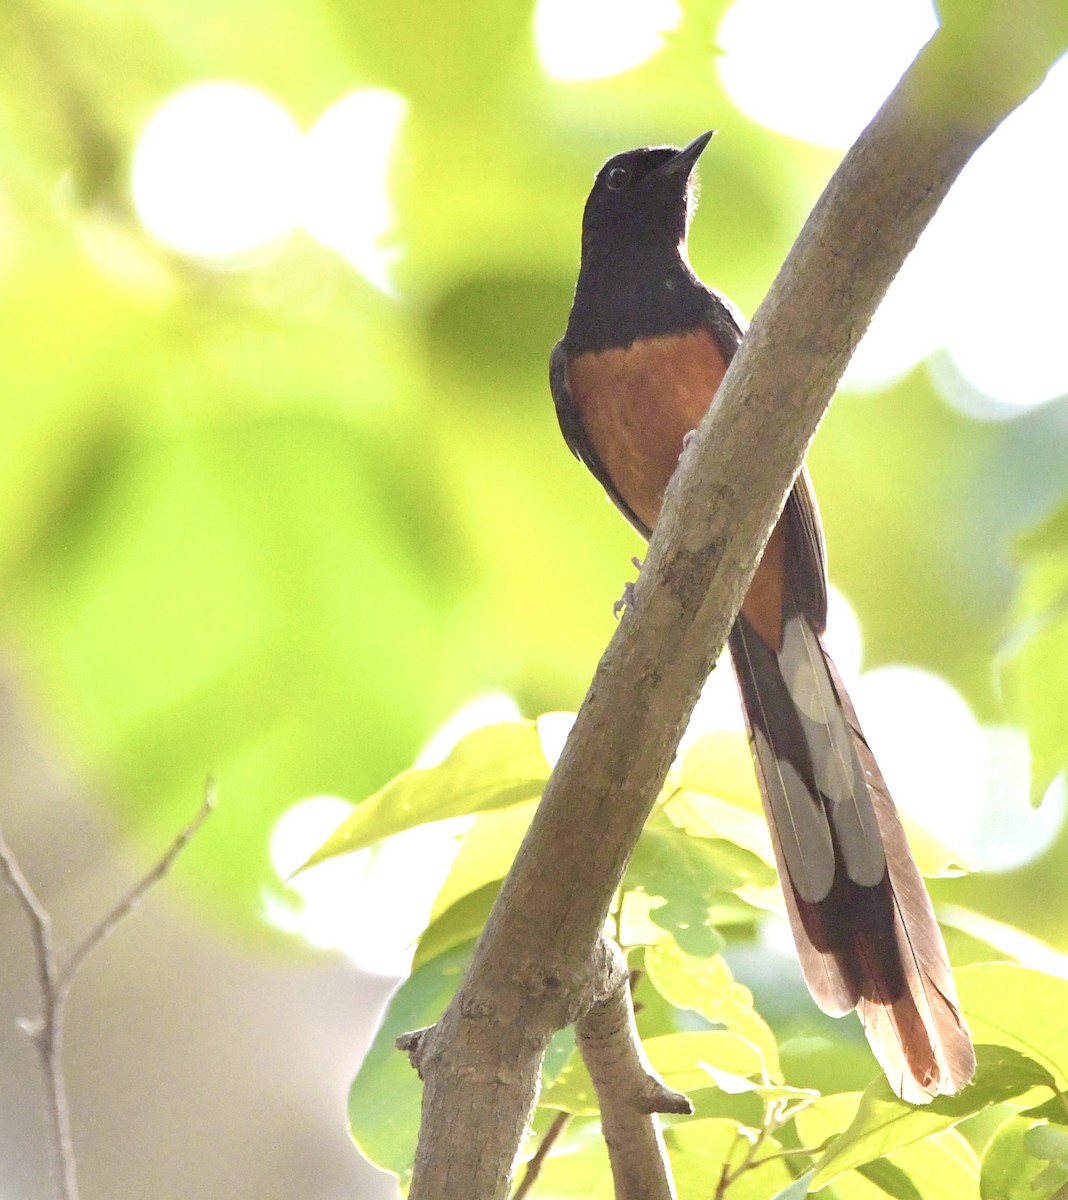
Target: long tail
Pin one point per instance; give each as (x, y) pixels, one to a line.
(865, 930)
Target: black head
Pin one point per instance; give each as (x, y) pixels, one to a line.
(642, 198)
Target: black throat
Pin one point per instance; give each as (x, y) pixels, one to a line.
(623, 295)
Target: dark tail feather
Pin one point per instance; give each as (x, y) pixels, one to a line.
(866, 933)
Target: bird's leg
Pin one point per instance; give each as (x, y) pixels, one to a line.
(627, 599)
(687, 438)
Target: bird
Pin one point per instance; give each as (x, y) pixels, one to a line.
(645, 348)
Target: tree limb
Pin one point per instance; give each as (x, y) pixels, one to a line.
(628, 1093)
(531, 972)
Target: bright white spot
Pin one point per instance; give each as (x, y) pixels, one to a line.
(843, 639)
(1024, 947)
(553, 730)
(491, 709)
(819, 70)
(928, 744)
(966, 783)
(1008, 831)
(302, 829)
(216, 170)
(1005, 253)
(718, 706)
(370, 905)
(906, 328)
(222, 168)
(591, 39)
(373, 904)
(348, 155)
(987, 278)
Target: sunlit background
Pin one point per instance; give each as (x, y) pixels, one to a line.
(283, 497)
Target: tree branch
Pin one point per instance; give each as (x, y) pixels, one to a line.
(55, 980)
(531, 971)
(107, 925)
(628, 1092)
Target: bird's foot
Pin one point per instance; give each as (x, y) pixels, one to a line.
(627, 599)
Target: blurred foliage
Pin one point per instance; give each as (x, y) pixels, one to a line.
(268, 522)
(765, 1122)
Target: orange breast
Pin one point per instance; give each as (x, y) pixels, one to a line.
(637, 404)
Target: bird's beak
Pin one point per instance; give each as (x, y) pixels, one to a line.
(682, 162)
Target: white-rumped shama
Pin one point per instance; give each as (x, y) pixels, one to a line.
(646, 347)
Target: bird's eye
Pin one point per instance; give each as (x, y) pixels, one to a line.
(617, 179)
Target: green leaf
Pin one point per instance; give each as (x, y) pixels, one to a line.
(706, 986)
(716, 795)
(889, 1178)
(486, 852)
(386, 1095)
(698, 1150)
(571, 1091)
(1054, 1110)
(1049, 1142)
(942, 1167)
(884, 1123)
(1012, 1172)
(677, 1058)
(558, 1054)
(1021, 1008)
(461, 922)
(721, 764)
(641, 923)
(797, 1190)
(1036, 670)
(494, 767)
(935, 858)
(685, 873)
(576, 1168)
(713, 817)
(680, 1058)
(826, 1117)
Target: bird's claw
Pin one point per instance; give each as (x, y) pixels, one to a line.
(627, 599)
(687, 438)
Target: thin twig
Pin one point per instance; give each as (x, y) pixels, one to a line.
(726, 1175)
(541, 1154)
(55, 979)
(797, 1152)
(773, 1118)
(104, 928)
(40, 925)
(777, 1113)
(46, 1032)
